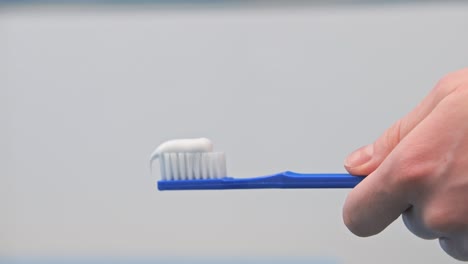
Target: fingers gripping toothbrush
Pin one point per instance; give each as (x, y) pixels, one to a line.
(191, 164)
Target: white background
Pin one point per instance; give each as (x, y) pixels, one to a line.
(87, 93)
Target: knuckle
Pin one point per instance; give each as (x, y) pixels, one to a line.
(415, 225)
(443, 217)
(446, 81)
(455, 246)
(451, 81)
(439, 220)
(415, 168)
(393, 134)
(462, 88)
(435, 220)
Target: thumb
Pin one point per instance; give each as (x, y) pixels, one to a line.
(366, 159)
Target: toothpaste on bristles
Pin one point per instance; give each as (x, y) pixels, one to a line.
(189, 159)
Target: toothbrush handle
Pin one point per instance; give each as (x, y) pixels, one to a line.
(293, 180)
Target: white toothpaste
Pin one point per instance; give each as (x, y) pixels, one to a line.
(183, 145)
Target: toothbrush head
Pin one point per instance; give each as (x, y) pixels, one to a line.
(189, 159)
(192, 166)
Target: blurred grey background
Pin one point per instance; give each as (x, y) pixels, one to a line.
(87, 93)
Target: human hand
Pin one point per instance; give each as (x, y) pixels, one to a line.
(418, 169)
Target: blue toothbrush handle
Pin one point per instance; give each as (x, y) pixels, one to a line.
(284, 180)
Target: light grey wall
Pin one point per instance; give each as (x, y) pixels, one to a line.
(87, 94)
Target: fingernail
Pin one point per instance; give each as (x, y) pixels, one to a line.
(360, 156)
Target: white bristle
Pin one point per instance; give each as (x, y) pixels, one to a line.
(204, 167)
(173, 158)
(182, 166)
(211, 166)
(167, 171)
(191, 166)
(162, 165)
(221, 165)
(196, 165)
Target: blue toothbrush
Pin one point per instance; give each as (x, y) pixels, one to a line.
(285, 180)
(207, 171)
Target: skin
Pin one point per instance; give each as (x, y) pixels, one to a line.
(418, 169)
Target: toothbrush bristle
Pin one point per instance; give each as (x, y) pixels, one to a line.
(192, 166)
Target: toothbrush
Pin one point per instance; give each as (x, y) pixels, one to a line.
(191, 164)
